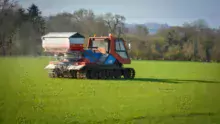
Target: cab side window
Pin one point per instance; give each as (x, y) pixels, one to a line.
(120, 48)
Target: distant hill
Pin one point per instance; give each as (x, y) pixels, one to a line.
(152, 27)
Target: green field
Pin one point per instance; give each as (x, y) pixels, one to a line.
(162, 93)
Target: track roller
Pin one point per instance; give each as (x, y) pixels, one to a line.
(128, 73)
(73, 74)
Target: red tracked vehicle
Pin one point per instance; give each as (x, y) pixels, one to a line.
(102, 58)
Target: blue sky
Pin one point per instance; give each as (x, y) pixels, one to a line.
(172, 12)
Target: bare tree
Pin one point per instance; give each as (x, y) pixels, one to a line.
(115, 23)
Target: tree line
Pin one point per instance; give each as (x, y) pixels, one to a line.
(21, 31)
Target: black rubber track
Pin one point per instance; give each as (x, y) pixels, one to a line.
(100, 74)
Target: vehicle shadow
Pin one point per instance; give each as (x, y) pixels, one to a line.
(159, 118)
(177, 115)
(157, 80)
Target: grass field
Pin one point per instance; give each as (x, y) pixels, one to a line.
(161, 93)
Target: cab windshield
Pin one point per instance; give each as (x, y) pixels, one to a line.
(101, 44)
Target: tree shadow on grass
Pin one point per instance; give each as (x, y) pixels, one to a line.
(157, 80)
